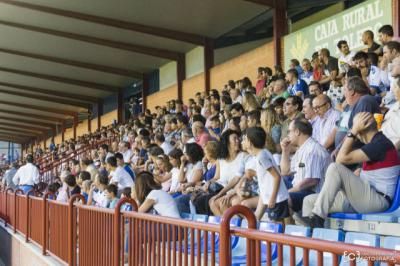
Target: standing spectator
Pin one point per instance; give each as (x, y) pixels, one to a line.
(9, 175)
(261, 80)
(328, 116)
(27, 176)
(307, 166)
(273, 193)
(344, 191)
(385, 35)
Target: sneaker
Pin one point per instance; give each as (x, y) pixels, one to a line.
(300, 220)
(316, 221)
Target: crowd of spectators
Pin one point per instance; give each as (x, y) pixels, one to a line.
(323, 137)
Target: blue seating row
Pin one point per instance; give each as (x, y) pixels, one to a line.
(239, 244)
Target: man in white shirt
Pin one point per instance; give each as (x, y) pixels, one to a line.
(118, 175)
(345, 60)
(310, 114)
(159, 139)
(307, 166)
(27, 176)
(125, 150)
(326, 129)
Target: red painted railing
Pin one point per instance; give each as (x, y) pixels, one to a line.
(77, 234)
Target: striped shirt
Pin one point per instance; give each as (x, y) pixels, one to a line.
(310, 161)
(326, 125)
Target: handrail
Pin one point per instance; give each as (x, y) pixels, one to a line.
(317, 244)
(252, 236)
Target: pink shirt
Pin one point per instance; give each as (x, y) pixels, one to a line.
(202, 139)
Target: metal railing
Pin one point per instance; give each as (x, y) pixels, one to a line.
(78, 234)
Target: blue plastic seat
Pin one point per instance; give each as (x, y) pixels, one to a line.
(235, 222)
(187, 216)
(329, 235)
(391, 242)
(390, 215)
(295, 230)
(360, 239)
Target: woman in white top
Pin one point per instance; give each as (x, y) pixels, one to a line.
(150, 196)
(175, 160)
(230, 168)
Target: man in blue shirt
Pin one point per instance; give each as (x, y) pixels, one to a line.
(296, 86)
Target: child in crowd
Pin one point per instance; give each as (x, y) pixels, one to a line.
(175, 160)
(273, 192)
(215, 127)
(111, 195)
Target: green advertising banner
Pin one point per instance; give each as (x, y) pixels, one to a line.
(347, 25)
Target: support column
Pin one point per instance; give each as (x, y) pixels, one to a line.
(63, 131)
(120, 106)
(280, 28)
(396, 18)
(99, 113)
(145, 90)
(75, 125)
(181, 73)
(208, 63)
(89, 122)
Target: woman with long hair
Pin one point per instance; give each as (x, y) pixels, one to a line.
(230, 168)
(149, 195)
(272, 126)
(250, 102)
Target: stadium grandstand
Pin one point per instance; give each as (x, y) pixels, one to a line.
(212, 132)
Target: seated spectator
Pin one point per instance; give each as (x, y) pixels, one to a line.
(371, 74)
(273, 197)
(307, 74)
(305, 171)
(162, 172)
(111, 195)
(292, 110)
(358, 100)
(272, 126)
(73, 188)
(296, 86)
(85, 189)
(230, 168)
(330, 68)
(175, 160)
(279, 90)
(345, 60)
(310, 114)
(118, 175)
(368, 40)
(83, 175)
(391, 122)
(370, 191)
(127, 167)
(97, 191)
(149, 195)
(295, 64)
(124, 149)
(250, 102)
(328, 116)
(215, 127)
(235, 96)
(159, 139)
(315, 88)
(253, 118)
(200, 134)
(278, 107)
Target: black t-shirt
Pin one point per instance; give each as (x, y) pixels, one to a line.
(373, 47)
(332, 64)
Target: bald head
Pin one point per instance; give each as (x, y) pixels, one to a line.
(321, 104)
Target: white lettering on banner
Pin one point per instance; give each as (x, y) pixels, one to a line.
(362, 15)
(326, 30)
